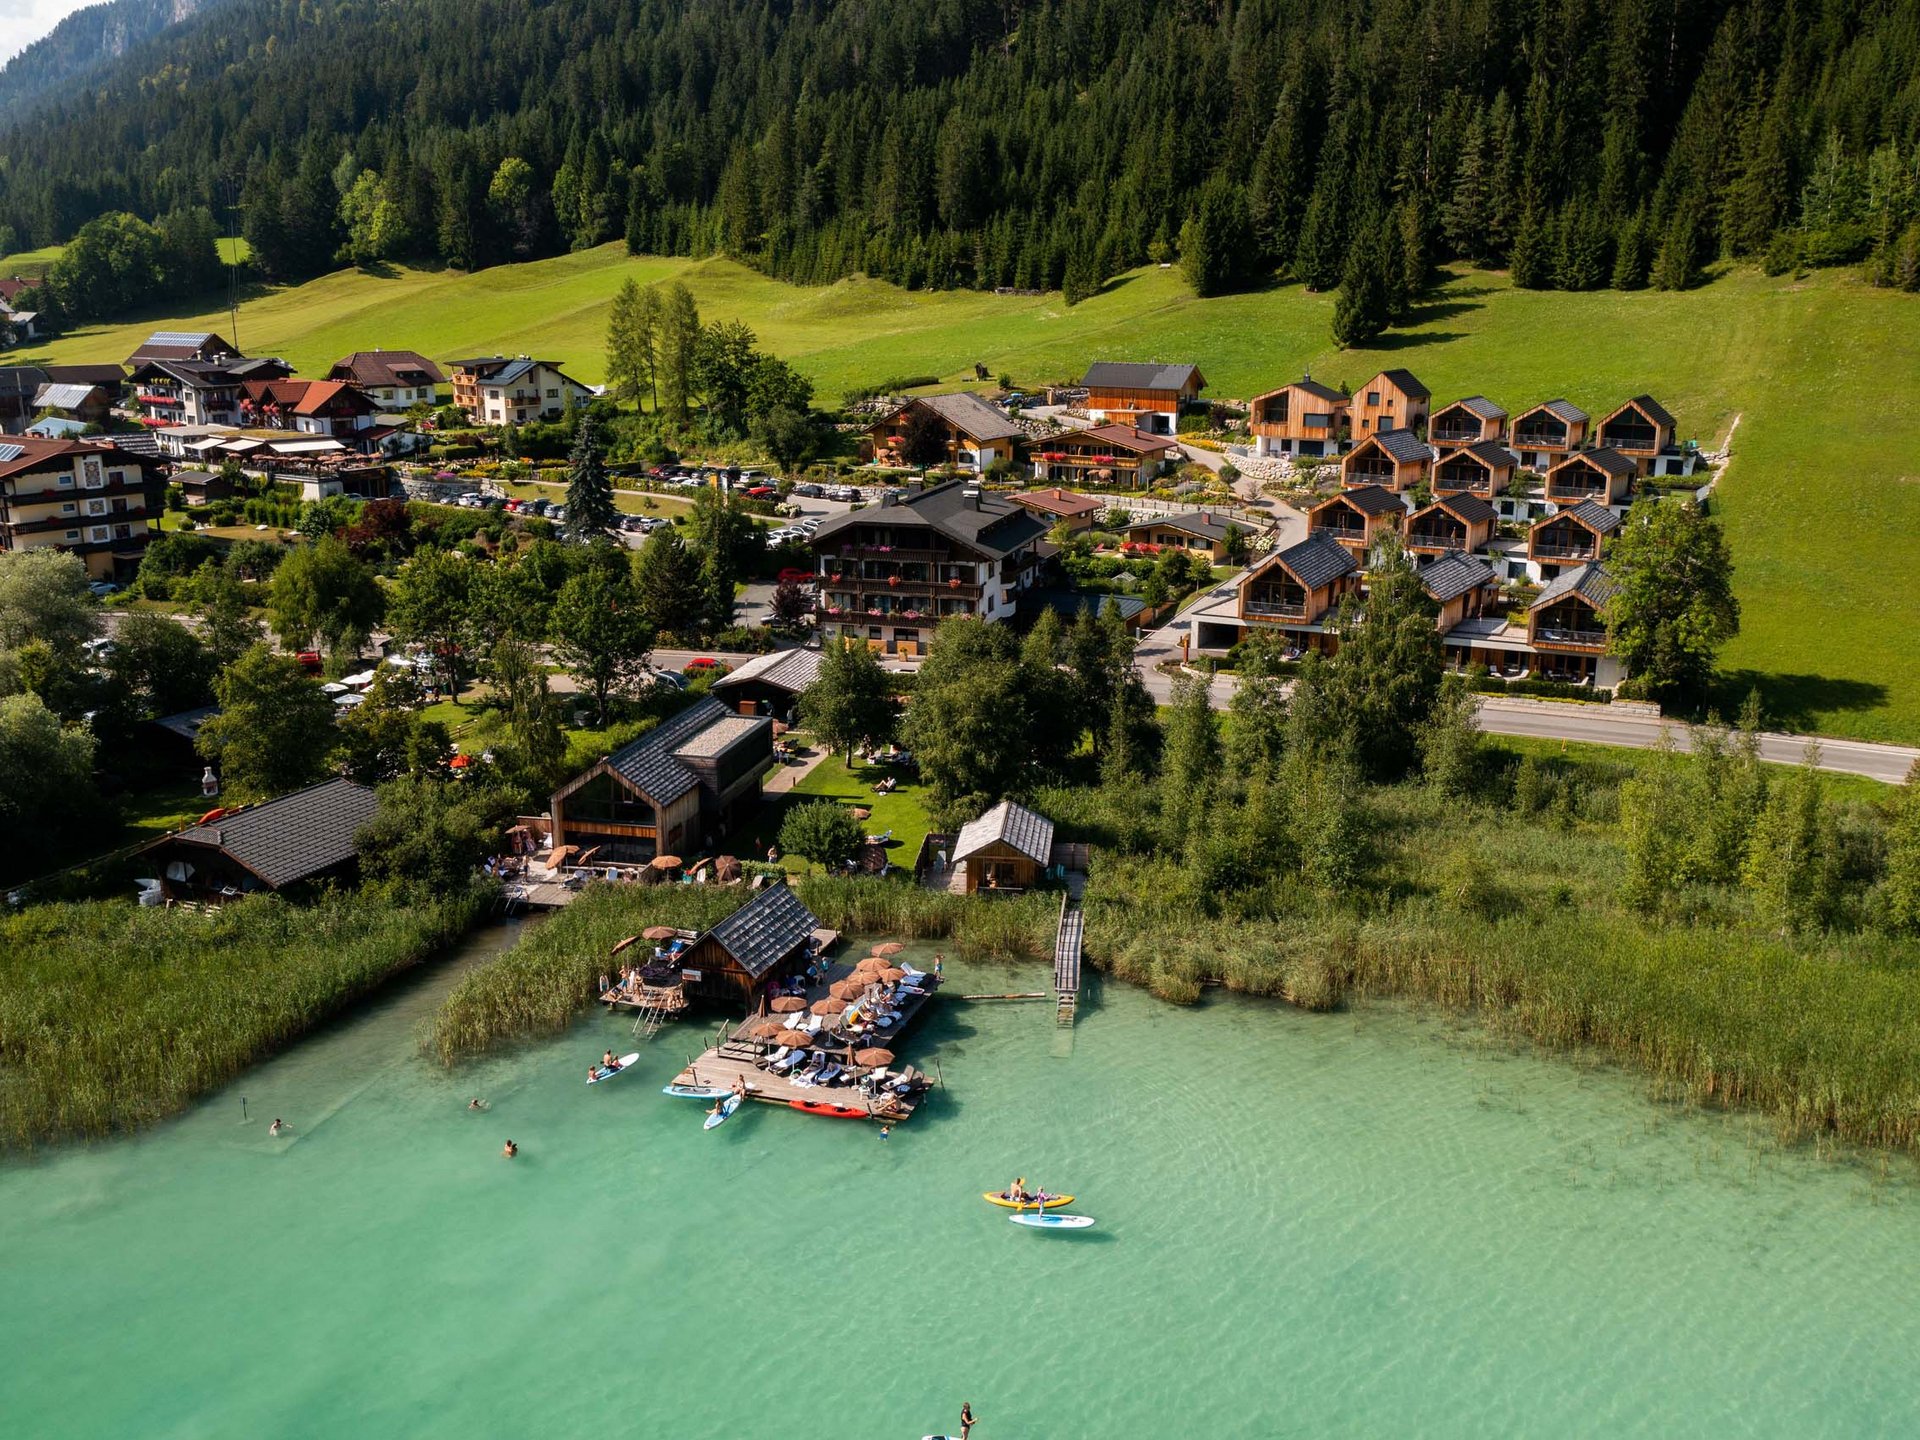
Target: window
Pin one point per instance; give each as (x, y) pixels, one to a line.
(553, 394)
(66, 507)
(1373, 397)
(66, 479)
(73, 534)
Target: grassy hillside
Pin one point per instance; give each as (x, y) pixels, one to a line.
(1822, 501)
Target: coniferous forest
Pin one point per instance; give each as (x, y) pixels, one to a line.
(1014, 143)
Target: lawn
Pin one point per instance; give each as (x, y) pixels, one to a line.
(903, 811)
(1821, 496)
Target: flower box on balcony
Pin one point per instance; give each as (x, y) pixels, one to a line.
(893, 581)
(953, 584)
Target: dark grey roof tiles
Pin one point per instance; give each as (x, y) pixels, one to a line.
(1475, 404)
(1590, 582)
(1007, 823)
(1593, 513)
(1128, 375)
(765, 930)
(1447, 577)
(1408, 382)
(984, 522)
(1404, 446)
(295, 836)
(1652, 409)
(1373, 499)
(1193, 522)
(648, 764)
(972, 416)
(1469, 508)
(1317, 560)
(1605, 458)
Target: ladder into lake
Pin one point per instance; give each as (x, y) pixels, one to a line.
(1066, 953)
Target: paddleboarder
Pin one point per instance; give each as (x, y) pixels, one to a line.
(966, 1419)
(610, 1061)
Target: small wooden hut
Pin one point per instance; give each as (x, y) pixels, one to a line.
(1006, 850)
(764, 939)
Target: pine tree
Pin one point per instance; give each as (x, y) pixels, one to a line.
(1582, 261)
(1532, 262)
(1414, 263)
(676, 349)
(590, 508)
(1631, 255)
(1466, 219)
(1320, 259)
(1364, 308)
(1677, 265)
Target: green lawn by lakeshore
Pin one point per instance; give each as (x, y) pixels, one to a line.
(903, 811)
(1820, 501)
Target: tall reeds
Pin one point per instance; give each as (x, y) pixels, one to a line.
(113, 1016)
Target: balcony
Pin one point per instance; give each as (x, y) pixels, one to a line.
(1563, 488)
(1436, 540)
(1571, 639)
(1455, 434)
(1541, 551)
(1533, 437)
(1272, 607)
(1632, 439)
(1371, 472)
(1346, 533)
(865, 586)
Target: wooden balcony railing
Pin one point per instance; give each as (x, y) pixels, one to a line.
(1456, 434)
(1564, 552)
(1562, 635)
(1532, 438)
(1630, 437)
(1276, 609)
(1436, 540)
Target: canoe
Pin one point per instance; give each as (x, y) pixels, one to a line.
(600, 1072)
(1053, 1222)
(700, 1092)
(1052, 1202)
(822, 1107)
(725, 1112)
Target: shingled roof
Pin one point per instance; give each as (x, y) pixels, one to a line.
(1590, 582)
(293, 837)
(789, 670)
(1605, 458)
(1490, 453)
(1475, 404)
(1131, 375)
(1311, 387)
(1595, 515)
(648, 764)
(988, 523)
(967, 413)
(1470, 509)
(765, 930)
(1403, 445)
(1370, 500)
(1192, 522)
(1449, 576)
(1407, 382)
(1649, 407)
(1316, 561)
(1561, 410)
(1007, 824)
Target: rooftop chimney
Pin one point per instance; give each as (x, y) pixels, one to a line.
(972, 497)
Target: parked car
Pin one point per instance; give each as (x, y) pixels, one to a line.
(309, 661)
(760, 492)
(102, 588)
(808, 489)
(705, 665)
(796, 577)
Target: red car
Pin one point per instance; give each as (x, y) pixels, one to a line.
(761, 492)
(797, 577)
(705, 665)
(309, 661)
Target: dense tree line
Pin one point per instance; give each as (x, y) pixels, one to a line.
(1041, 144)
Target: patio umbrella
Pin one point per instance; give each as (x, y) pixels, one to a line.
(624, 944)
(586, 855)
(557, 856)
(892, 973)
(829, 1006)
(874, 1057)
(666, 862)
(794, 1037)
(788, 1005)
(766, 1029)
(658, 932)
(846, 989)
(892, 947)
(726, 868)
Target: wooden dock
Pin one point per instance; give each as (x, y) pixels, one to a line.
(1067, 945)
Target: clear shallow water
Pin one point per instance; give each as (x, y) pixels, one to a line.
(1371, 1223)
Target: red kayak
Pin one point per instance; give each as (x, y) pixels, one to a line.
(821, 1107)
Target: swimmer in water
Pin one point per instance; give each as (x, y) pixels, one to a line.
(474, 1104)
(275, 1128)
(510, 1150)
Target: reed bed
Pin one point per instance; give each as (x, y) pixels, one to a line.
(113, 1016)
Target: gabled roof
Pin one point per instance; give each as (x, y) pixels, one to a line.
(1316, 561)
(1114, 437)
(63, 397)
(1475, 404)
(789, 670)
(1368, 499)
(1490, 453)
(386, 367)
(1025, 830)
(1129, 375)
(967, 413)
(988, 523)
(765, 930)
(12, 288)
(505, 369)
(293, 837)
(1463, 506)
(24, 454)
(1192, 522)
(649, 765)
(180, 345)
(1449, 576)
(108, 375)
(1590, 513)
(1058, 502)
(1068, 604)
(1405, 381)
(1605, 458)
(1312, 387)
(1560, 409)
(1403, 446)
(1590, 582)
(1649, 407)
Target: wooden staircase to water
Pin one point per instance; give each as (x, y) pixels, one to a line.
(1066, 954)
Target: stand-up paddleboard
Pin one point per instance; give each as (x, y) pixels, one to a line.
(1053, 1222)
(601, 1072)
(727, 1107)
(1052, 1202)
(701, 1092)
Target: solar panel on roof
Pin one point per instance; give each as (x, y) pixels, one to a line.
(178, 337)
(11, 452)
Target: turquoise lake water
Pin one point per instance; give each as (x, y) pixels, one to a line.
(1371, 1223)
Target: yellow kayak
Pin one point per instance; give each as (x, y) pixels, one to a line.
(1052, 1202)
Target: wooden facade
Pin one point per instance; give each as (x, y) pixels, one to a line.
(1602, 476)
(1112, 455)
(1299, 585)
(1148, 397)
(1568, 538)
(1355, 519)
(1396, 464)
(1392, 400)
(1485, 469)
(1639, 429)
(977, 434)
(1462, 523)
(1304, 418)
(1548, 433)
(1467, 422)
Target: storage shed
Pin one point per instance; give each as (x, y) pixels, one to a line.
(1006, 849)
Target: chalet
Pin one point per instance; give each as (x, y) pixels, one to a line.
(1147, 397)
(1548, 433)
(89, 498)
(1640, 429)
(1005, 851)
(1463, 587)
(23, 323)
(197, 346)
(1357, 518)
(688, 779)
(977, 434)
(890, 573)
(1567, 627)
(89, 404)
(202, 487)
(1061, 507)
(230, 854)
(513, 390)
(1392, 400)
(764, 941)
(1197, 531)
(1575, 536)
(1484, 468)
(1304, 418)
(1103, 455)
(1068, 605)
(109, 377)
(1452, 523)
(1467, 422)
(395, 379)
(1604, 476)
(1300, 585)
(1397, 459)
(769, 684)
(331, 408)
(200, 392)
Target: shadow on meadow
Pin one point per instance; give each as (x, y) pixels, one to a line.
(1797, 702)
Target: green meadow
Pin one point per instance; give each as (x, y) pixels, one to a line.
(1821, 501)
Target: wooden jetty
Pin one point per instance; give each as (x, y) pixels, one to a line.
(1066, 950)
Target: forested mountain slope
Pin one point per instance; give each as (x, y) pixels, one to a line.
(1016, 143)
(84, 40)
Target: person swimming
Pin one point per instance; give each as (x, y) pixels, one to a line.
(509, 1150)
(276, 1127)
(474, 1104)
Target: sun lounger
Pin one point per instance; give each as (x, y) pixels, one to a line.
(778, 1057)
(811, 1075)
(788, 1062)
(830, 1074)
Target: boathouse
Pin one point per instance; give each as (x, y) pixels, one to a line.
(765, 939)
(230, 854)
(769, 684)
(1005, 850)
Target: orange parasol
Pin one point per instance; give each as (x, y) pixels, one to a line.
(631, 939)
(874, 1057)
(658, 932)
(828, 1006)
(892, 947)
(893, 973)
(766, 1029)
(794, 1037)
(846, 989)
(666, 862)
(788, 1005)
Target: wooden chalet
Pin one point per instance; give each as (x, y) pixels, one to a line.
(1548, 433)
(230, 854)
(1459, 522)
(1462, 586)
(1148, 397)
(977, 434)
(1639, 429)
(1484, 468)
(1061, 507)
(197, 345)
(686, 780)
(1117, 455)
(310, 407)
(1304, 418)
(1005, 851)
(765, 940)
(1396, 459)
(1298, 586)
(1392, 400)
(769, 684)
(1575, 536)
(1356, 518)
(1195, 530)
(1566, 625)
(1467, 422)
(1603, 476)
